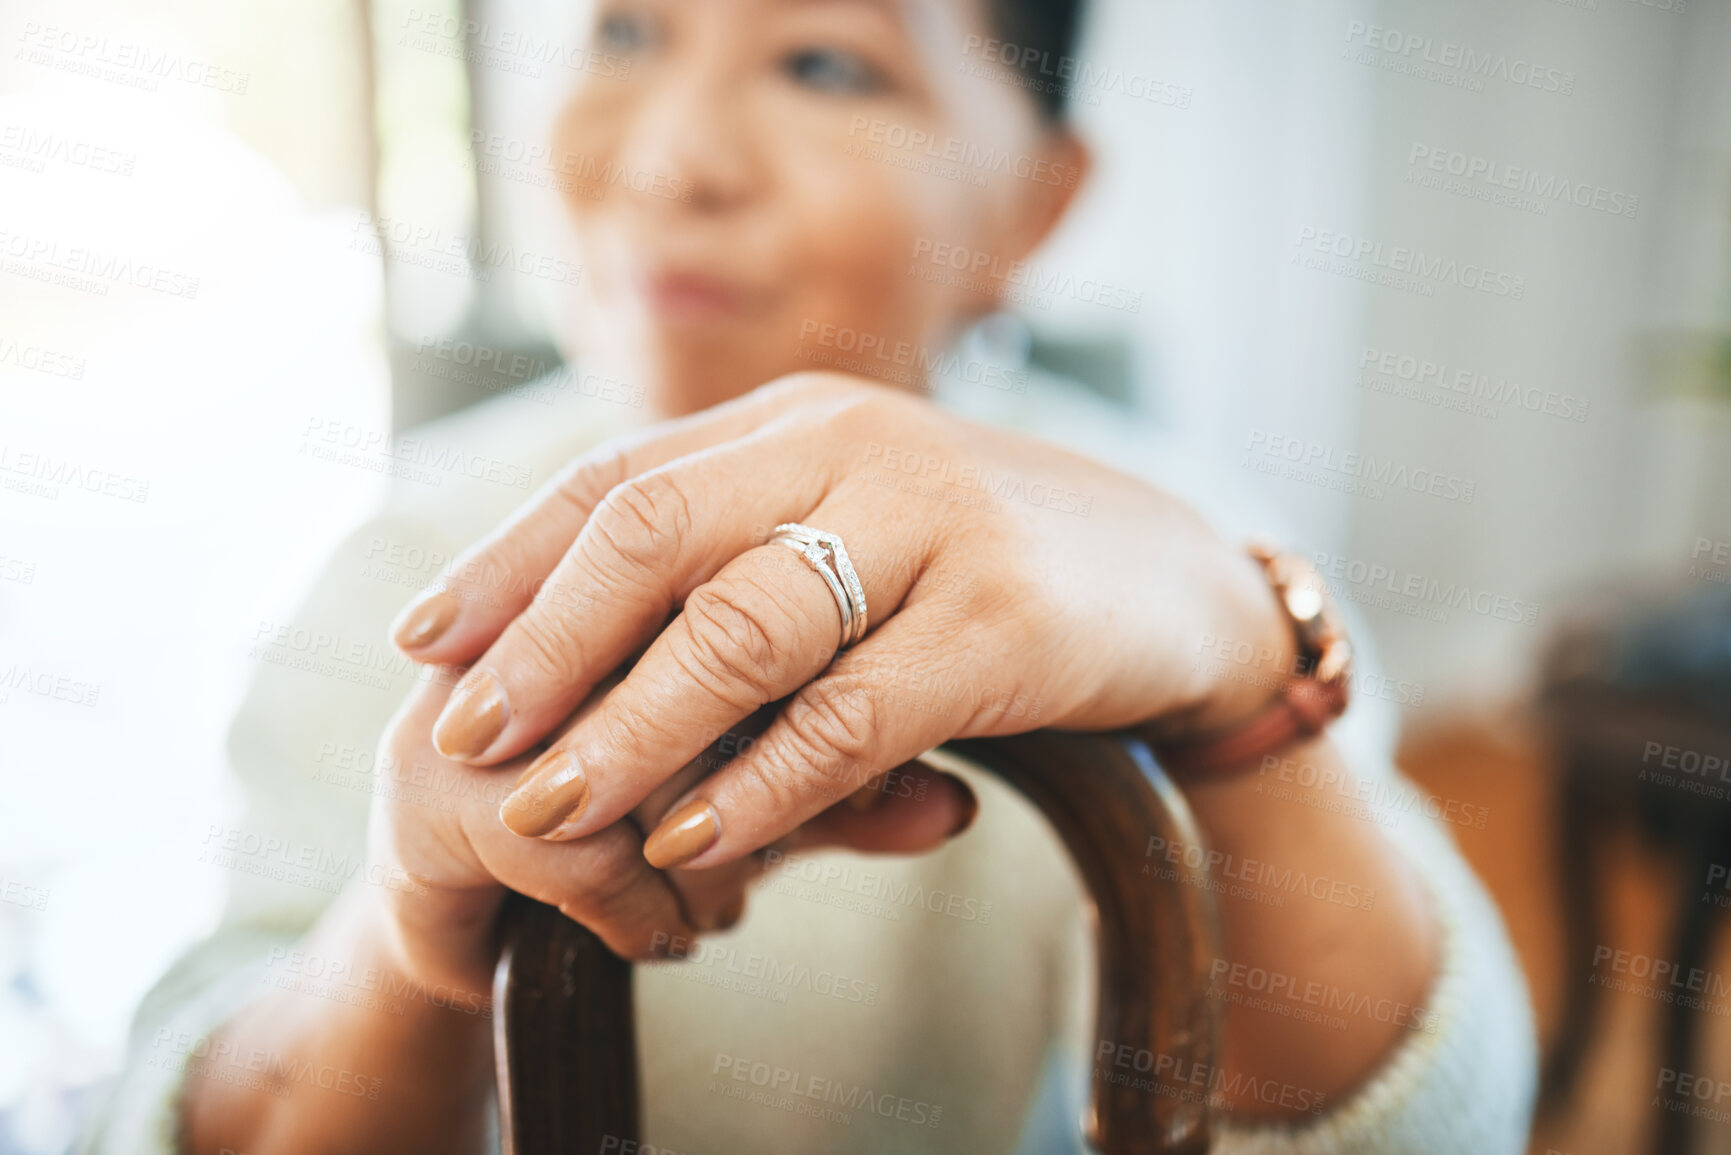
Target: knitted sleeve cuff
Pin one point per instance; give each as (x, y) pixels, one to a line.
(1463, 1082)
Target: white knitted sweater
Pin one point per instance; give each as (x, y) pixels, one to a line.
(953, 986)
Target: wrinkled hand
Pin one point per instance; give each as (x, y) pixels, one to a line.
(448, 859)
(1010, 585)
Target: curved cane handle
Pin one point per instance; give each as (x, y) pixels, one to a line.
(563, 1023)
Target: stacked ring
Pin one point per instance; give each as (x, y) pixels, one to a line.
(825, 553)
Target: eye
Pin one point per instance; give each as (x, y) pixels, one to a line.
(829, 70)
(623, 32)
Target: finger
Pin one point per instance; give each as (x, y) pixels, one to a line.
(493, 581)
(711, 899)
(715, 900)
(650, 543)
(763, 627)
(601, 881)
(426, 697)
(833, 736)
(918, 809)
(594, 881)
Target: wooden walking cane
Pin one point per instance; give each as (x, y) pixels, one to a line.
(563, 1022)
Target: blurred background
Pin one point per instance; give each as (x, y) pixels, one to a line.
(222, 223)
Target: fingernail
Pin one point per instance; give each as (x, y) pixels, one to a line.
(424, 620)
(970, 805)
(549, 799)
(473, 717)
(683, 835)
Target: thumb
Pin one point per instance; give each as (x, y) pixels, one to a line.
(911, 809)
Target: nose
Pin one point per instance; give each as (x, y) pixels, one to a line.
(693, 134)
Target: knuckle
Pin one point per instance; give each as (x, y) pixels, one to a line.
(833, 726)
(737, 639)
(800, 386)
(609, 888)
(999, 598)
(872, 407)
(623, 731)
(870, 415)
(868, 404)
(548, 651)
(777, 780)
(587, 480)
(613, 887)
(816, 387)
(644, 521)
(501, 570)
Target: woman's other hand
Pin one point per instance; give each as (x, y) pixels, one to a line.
(1010, 585)
(441, 860)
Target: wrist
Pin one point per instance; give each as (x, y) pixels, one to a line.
(441, 936)
(1238, 660)
(1290, 684)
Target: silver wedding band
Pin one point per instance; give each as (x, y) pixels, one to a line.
(825, 553)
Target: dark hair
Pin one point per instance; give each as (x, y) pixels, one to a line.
(1042, 34)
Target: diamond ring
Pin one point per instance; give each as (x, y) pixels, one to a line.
(825, 553)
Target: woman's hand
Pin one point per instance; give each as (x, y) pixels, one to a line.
(445, 862)
(1010, 585)
(442, 859)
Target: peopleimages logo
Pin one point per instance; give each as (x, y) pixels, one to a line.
(41, 474)
(40, 360)
(1412, 48)
(35, 149)
(1468, 384)
(802, 1093)
(45, 684)
(380, 451)
(956, 150)
(126, 62)
(1364, 581)
(410, 242)
(1365, 468)
(980, 270)
(539, 163)
(1371, 260)
(1187, 1079)
(901, 361)
(89, 269)
(518, 49)
(1486, 178)
(1068, 74)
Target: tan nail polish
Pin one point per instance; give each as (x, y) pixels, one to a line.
(424, 620)
(473, 717)
(549, 799)
(970, 807)
(683, 835)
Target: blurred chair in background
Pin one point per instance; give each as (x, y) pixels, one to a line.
(1638, 706)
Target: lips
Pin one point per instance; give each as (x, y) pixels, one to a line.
(695, 297)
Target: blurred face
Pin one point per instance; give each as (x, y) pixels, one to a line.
(756, 195)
